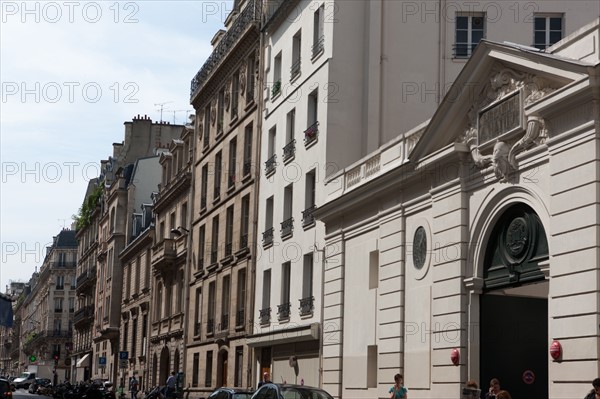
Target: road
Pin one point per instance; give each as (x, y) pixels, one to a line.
(22, 394)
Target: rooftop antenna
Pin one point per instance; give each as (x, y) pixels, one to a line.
(64, 222)
(187, 113)
(162, 105)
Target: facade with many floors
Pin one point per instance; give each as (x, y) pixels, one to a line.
(469, 245)
(9, 336)
(47, 311)
(169, 256)
(226, 97)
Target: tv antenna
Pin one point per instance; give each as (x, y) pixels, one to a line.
(162, 105)
(187, 113)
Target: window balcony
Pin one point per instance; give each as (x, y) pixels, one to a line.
(283, 311)
(295, 69)
(307, 305)
(318, 47)
(311, 134)
(287, 227)
(308, 217)
(276, 89)
(270, 165)
(265, 316)
(289, 150)
(268, 237)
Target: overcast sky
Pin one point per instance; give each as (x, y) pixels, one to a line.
(71, 73)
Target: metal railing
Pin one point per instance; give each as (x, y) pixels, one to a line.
(265, 315)
(289, 150)
(283, 310)
(308, 217)
(307, 305)
(270, 164)
(287, 227)
(295, 69)
(318, 46)
(268, 236)
(311, 133)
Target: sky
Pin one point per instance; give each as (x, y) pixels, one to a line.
(71, 74)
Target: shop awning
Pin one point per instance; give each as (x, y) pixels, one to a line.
(84, 361)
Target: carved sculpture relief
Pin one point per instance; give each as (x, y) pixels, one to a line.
(503, 83)
(213, 113)
(243, 78)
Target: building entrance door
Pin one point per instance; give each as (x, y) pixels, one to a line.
(514, 337)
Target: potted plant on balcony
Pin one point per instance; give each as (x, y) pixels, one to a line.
(276, 88)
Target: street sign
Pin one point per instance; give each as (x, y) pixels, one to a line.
(102, 361)
(123, 355)
(123, 363)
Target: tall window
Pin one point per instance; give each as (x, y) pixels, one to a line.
(144, 333)
(204, 187)
(547, 30)
(266, 294)
(232, 163)
(250, 78)
(318, 31)
(198, 313)
(235, 93)
(210, 323)
(270, 163)
(470, 29)
(60, 282)
(229, 231)
(221, 112)
(58, 305)
(225, 303)
(125, 335)
(71, 305)
(183, 218)
(284, 307)
(195, 367)
(245, 222)
(133, 353)
(268, 233)
(276, 89)
(307, 276)
(287, 225)
(290, 142)
(206, 132)
(296, 51)
(241, 298)
(239, 365)
(209, 366)
(248, 149)
(218, 170)
(202, 247)
(138, 275)
(214, 248)
(309, 199)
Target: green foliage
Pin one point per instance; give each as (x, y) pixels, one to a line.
(84, 216)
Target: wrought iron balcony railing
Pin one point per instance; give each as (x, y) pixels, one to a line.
(307, 305)
(311, 133)
(289, 150)
(268, 236)
(295, 69)
(244, 241)
(307, 216)
(283, 311)
(287, 227)
(265, 316)
(270, 164)
(249, 16)
(318, 46)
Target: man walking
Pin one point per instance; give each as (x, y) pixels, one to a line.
(134, 387)
(171, 386)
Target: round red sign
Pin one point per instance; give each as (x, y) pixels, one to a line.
(528, 377)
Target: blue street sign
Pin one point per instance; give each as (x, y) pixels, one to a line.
(102, 360)
(123, 355)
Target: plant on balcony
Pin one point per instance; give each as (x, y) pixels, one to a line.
(84, 216)
(276, 88)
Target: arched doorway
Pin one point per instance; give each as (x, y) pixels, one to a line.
(222, 368)
(514, 305)
(164, 366)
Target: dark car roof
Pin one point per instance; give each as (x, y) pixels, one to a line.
(232, 390)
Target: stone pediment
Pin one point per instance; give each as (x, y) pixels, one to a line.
(488, 107)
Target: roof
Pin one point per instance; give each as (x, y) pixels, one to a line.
(66, 239)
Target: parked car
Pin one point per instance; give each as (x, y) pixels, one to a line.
(288, 391)
(230, 393)
(39, 382)
(6, 389)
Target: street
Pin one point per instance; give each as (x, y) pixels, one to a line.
(22, 393)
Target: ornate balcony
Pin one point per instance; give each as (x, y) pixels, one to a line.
(163, 255)
(265, 316)
(310, 134)
(84, 316)
(270, 165)
(283, 311)
(289, 150)
(307, 305)
(248, 17)
(268, 236)
(307, 216)
(287, 227)
(86, 280)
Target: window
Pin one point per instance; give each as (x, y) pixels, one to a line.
(128, 281)
(225, 303)
(248, 150)
(144, 333)
(311, 132)
(250, 78)
(470, 29)
(232, 163)
(268, 233)
(372, 366)
(271, 163)
(202, 247)
(239, 365)
(206, 126)
(172, 222)
(138, 275)
(318, 32)
(296, 51)
(290, 146)
(266, 294)
(214, 248)
(209, 365)
(57, 326)
(284, 307)
(309, 199)
(229, 232)
(133, 353)
(60, 282)
(195, 366)
(245, 222)
(210, 323)
(235, 93)
(218, 169)
(276, 89)
(204, 187)
(125, 335)
(547, 30)
(58, 305)
(198, 313)
(71, 305)
(287, 225)
(307, 276)
(159, 301)
(220, 111)
(183, 218)
(241, 298)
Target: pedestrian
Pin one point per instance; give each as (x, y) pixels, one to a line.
(134, 387)
(398, 391)
(170, 386)
(264, 380)
(494, 389)
(594, 393)
(503, 395)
